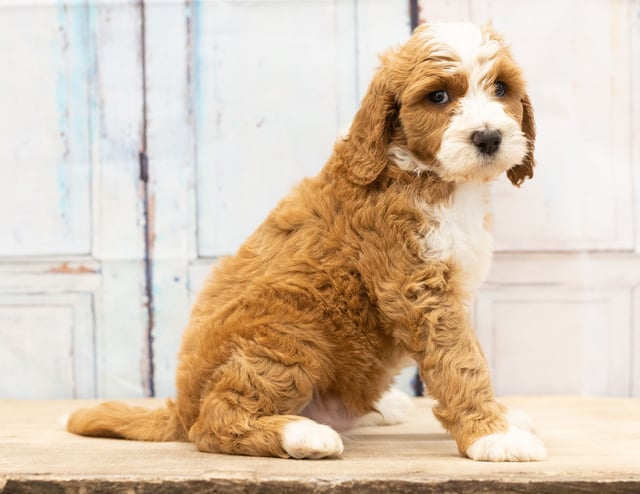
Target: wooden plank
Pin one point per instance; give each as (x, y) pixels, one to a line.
(635, 347)
(380, 25)
(35, 363)
(593, 447)
(46, 150)
(121, 337)
(118, 216)
(47, 346)
(101, 336)
(170, 129)
(198, 272)
(634, 26)
(47, 326)
(71, 181)
(580, 270)
(604, 283)
(262, 121)
(117, 125)
(172, 188)
(49, 276)
(347, 63)
(556, 341)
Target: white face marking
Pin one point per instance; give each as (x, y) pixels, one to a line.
(459, 157)
(460, 160)
(464, 39)
(459, 233)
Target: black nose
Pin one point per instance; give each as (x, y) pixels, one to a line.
(487, 140)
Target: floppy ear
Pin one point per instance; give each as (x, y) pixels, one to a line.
(520, 172)
(364, 150)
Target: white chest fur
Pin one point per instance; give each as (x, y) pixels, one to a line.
(459, 233)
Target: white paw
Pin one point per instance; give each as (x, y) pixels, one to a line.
(308, 439)
(513, 445)
(394, 406)
(391, 409)
(64, 419)
(519, 419)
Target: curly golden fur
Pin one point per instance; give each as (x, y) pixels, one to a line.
(338, 285)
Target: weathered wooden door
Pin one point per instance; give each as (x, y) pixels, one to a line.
(73, 319)
(140, 141)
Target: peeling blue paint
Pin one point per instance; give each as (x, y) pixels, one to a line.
(207, 99)
(195, 20)
(73, 59)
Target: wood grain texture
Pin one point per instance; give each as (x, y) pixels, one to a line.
(71, 272)
(243, 99)
(593, 447)
(45, 133)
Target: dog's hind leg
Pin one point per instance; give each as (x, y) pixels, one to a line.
(224, 428)
(253, 406)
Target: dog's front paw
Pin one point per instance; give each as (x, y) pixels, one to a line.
(514, 445)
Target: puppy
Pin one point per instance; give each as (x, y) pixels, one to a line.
(374, 260)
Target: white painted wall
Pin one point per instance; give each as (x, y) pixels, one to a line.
(73, 319)
(238, 101)
(267, 88)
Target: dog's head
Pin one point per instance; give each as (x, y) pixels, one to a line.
(451, 101)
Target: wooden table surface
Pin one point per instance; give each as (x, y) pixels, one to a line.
(593, 444)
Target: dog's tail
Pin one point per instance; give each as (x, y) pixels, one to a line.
(118, 420)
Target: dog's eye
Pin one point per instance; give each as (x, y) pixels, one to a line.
(439, 97)
(500, 89)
